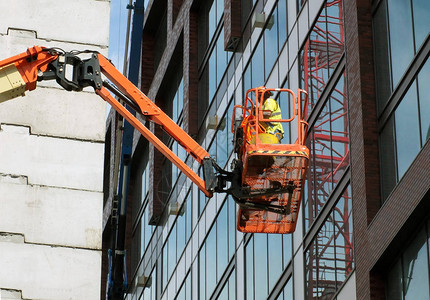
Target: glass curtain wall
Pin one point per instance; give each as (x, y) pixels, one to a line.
(408, 278)
(401, 28)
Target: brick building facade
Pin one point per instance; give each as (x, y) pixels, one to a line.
(363, 225)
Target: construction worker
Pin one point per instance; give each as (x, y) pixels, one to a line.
(272, 110)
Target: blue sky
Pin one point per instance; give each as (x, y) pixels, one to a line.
(117, 31)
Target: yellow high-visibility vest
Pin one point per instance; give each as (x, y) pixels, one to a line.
(272, 127)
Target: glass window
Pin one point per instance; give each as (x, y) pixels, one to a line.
(249, 269)
(266, 257)
(211, 259)
(222, 241)
(222, 143)
(257, 76)
(381, 52)
(409, 276)
(171, 252)
(322, 51)
(274, 255)
(218, 249)
(330, 258)
(407, 130)
(416, 268)
(343, 228)
(282, 23)
(387, 158)
(229, 289)
(260, 266)
(329, 151)
(421, 11)
(403, 26)
(202, 272)
(401, 37)
(271, 48)
(185, 291)
(424, 103)
(395, 282)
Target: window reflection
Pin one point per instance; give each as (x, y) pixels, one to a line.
(329, 258)
(401, 37)
(407, 130)
(409, 277)
(424, 103)
(229, 290)
(217, 250)
(403, 26)
(329, 151)
(415, 269)
(266, 257)
(322, 50)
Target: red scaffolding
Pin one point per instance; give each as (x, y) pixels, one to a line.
(330, 255)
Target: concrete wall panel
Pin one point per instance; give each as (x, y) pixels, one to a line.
(54, 112)
(55, 162)
(53, 216)
(77, 21)
(42, 272)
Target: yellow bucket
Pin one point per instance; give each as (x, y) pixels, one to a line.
(266, 138)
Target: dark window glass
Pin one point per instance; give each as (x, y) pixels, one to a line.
(421, 12)
(382, 57)
(407, 130)
(330, 256)
(222, 241)
(260, 264)
(322, 50)
(339, 130)
(395, 282)
(424, 103)
(222, 154)
(270, 44)
(249, 269)
(287, 248)
(401, 37)
(211, 259)
(416, 268)
(171, 252)
(344, 250)
(282, 23)
(258, 66)
(202, 272)
(387, 158)
(335, 39)
(274, 258)
(231, 226)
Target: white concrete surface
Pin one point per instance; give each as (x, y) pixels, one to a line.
(58, 113)
(43, 272)
(10, 295)
(53, 216)
(51, 159)
(53, 162)
(77, 21)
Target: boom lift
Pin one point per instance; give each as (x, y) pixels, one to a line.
(266, 179)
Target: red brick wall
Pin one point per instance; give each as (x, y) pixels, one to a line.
(363, 134)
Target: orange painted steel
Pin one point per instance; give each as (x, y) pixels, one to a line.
(155, 114)
(103, 93)
(36, 60)
(29, 63)
(267, 165)
(151, 111)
